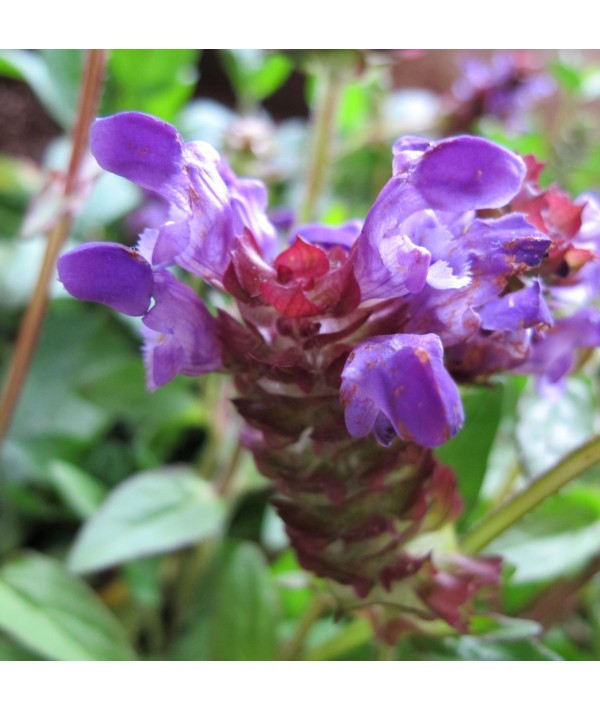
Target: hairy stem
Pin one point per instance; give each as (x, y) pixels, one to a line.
(34, 316)
(569, 468)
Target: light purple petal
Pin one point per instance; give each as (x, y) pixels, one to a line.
(468, 173)
(387, 263)
(141, 148)
(109, 274)
(403, 379)
(184, 333)
(554, 355)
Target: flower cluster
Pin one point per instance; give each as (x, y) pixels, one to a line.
(507, 87)
(347, 344)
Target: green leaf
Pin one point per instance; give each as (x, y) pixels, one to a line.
(149, 513)
(52, 74)
(79, 491)
(56, 615)
(235, 613)
(157, 81)
(255, 74)
(468, 452)
(569, 76)
(549, 428)
(556, 539)
(243, 627)
(343, 640)
(10, 651)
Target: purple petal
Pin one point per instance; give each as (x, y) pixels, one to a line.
(401, 378)
(180, 333)
(521, 309)
(468, 173)
(506, 245)
(387, 263)
(141, 148)
(553, 356)
(329, 235)
(109, 274)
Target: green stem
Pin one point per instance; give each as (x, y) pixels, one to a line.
(569, 468)
(293, 646)
(324, 116)
(34, 316)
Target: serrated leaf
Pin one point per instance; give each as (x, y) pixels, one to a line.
(56, 615)
(152, 512)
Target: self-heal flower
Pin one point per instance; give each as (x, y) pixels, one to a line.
(343, 339)
(179, 331)
(451, 177)
(208, 205)
(398, 384)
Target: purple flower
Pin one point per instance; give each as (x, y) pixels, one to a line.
(179, 332)
(553, 353)
(506, 86)
(398, 385)
(209, 205)
(455, 176)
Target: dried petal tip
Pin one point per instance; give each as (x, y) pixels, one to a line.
(399, 385)
(109, 274)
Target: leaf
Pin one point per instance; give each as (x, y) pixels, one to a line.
(556, 539)
(157, 81)
(152, 512)
(243, 627)
(52, 74)
(255, 74)
(56, 615)
(468, 452)
(236, 611)
(344, 640)
(79, 491)
(550, 427)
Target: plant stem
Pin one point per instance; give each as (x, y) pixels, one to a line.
(569, 468)
(324, 116)
(313, 612)
(34, 316)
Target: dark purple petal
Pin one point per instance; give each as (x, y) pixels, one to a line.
(141, 148)
(521, 309)
(183, 333)
(329, 235)
(403, 378)
(109, 274)
(468, 173)
(507, 245)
